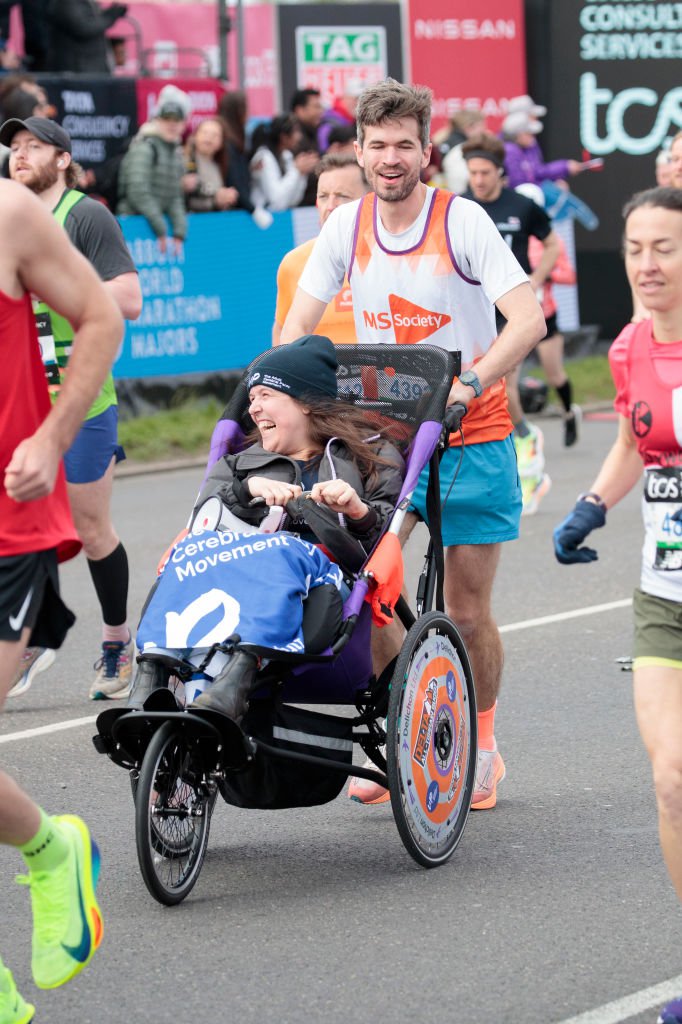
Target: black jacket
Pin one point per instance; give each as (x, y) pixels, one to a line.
(77, 42)
(228, 478)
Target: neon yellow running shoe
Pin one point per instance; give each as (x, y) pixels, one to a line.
(67, 923)
(13, 1009)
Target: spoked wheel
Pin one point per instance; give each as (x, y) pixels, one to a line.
(163, 843)
(172, 817)
(431, 739)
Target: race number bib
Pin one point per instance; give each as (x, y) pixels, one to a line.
(48, 352)
(663, 497)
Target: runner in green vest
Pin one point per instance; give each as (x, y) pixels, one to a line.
(40, 159)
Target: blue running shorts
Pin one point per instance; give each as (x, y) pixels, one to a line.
(95, 445)
(484, 505)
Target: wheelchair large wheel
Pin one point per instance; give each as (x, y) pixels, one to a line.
(172, 817)
(431, 739)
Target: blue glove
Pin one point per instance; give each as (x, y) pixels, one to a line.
(585, 517)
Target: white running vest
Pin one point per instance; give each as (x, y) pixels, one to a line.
(419, 294)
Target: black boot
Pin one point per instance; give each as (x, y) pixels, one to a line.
(229, 691)
(148, 677)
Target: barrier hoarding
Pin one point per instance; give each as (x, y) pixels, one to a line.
(211, 308)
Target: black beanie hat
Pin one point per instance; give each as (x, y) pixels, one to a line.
(304, 369)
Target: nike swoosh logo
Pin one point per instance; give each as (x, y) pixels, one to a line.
(81, 952)
(17, 621)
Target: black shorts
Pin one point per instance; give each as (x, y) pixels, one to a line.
(552, 327)
(29, 596)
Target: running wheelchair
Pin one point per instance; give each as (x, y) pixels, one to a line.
(416, 722)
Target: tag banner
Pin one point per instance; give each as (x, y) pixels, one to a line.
(331, 44)
(471, 56)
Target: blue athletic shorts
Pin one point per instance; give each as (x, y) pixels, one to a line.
(484, 505)
(95, 445)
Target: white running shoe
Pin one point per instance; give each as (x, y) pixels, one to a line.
(364, 791)
(34, 661)
(490, 771)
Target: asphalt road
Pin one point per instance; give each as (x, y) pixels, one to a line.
(556, 903)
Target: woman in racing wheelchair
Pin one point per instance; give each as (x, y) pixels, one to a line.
(305, 441)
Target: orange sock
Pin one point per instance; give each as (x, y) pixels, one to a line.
(486, 728)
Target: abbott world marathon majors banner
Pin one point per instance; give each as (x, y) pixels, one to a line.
(211, 307)
(615, 93)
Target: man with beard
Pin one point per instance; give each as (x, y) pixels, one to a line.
(40, 159)
(427, 266)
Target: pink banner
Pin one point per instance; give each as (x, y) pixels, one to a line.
(473, 56)
(203, 92)
(180, 41)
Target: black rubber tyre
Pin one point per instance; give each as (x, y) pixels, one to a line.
(172, 818)
(431, 739)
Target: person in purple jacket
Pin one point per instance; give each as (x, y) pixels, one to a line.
(524, 161)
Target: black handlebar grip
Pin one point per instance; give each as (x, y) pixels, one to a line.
(454, 415)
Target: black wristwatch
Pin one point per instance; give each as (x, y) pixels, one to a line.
(470, 378)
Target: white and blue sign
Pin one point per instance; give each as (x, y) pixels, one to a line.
(211, 308)
(212, 587)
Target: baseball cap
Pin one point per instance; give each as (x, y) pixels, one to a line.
(42, 127)
(519, 122)
(526, 105)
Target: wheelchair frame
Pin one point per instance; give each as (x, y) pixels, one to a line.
(179, 759)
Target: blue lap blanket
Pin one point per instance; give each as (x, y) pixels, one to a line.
(217, 584)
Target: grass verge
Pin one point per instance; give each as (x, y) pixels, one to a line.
(186, 430)
(590, 377)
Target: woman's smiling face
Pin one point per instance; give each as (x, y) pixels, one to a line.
(283, 422)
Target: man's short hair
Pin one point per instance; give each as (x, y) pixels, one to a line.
(392, 101)
(335, 161)
(484, 147)
(301, 97)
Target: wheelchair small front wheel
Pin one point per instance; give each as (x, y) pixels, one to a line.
(431, 739)
(172, 817)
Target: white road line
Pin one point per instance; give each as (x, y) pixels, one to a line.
(623, 1009)
(578, 613)
(512, 627)
(42, 730)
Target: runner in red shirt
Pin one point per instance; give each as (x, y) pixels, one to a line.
(646, 363)
(36, 532)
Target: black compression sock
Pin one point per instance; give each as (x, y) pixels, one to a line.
(565, 393)
(110, 577)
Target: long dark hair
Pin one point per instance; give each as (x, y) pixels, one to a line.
(232, 109)
(334, 418)
(222, 157)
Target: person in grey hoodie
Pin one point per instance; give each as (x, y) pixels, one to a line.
(150, 178)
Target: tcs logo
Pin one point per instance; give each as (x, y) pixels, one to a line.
(598, 103)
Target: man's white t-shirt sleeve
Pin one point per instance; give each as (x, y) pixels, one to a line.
(481, 252)
(324, 273)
